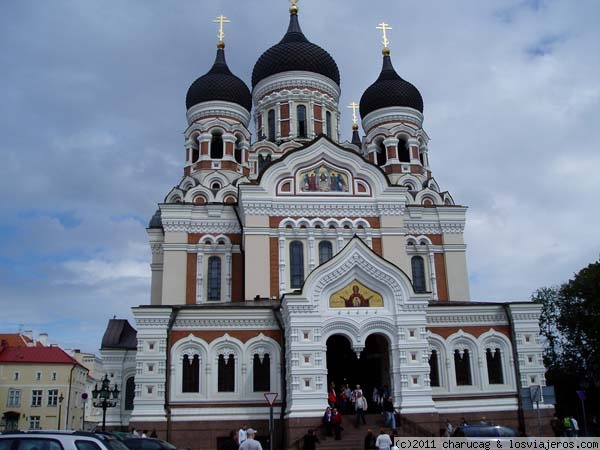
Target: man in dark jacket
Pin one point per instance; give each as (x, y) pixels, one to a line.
(310, 441)
(231, 442)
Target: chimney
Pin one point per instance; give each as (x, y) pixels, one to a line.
(43, 339)
(28, 337)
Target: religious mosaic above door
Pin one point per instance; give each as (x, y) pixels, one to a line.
(356, 295)
(322, 179)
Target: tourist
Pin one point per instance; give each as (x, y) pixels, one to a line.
(361, 407)
(369, 440)
(231, 442)
(337, 424)
(328, 421)
(242, 434)
(388, 408)
(250, 443)
(310, 441)
(383, 441)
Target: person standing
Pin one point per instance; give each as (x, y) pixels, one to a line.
(575, 427)
(369, 440)
(242, 434)
(328, 421)
(231, 442)
(145, 433)
(361, 406)
(383, 441)
(250, 443)
(567, 427)
(310, 441)
(388, 408)
(448, 429)
(337, 424)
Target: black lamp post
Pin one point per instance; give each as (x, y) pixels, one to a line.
(105, 398)
(60, 400)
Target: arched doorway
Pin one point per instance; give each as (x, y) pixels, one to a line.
(371, 370)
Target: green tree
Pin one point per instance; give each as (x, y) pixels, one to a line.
(570, 321)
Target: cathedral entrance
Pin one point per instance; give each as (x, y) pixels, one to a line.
(371, 370)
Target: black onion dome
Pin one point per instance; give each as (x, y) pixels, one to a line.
(390, 90)
(219, 84)
(295, 52)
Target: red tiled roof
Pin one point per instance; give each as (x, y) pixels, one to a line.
(18, 340)
(48, 355)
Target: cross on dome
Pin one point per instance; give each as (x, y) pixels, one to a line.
(384, 27)
(221, 20)
(294, 7)
(354, 107)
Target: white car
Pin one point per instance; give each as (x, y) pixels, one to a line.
(58, 440)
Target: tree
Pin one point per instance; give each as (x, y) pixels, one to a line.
(570, 321)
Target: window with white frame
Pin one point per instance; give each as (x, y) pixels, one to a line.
(434, 369)
(34, 422)
(38, 376)
(261, 373)
(325, 251)
(36, 397)
(493, 359)
(462, 367)
(418, 273)
(226, 373)
(301, 121)
(296, 264)
(14, 397)
(213, 292)
(190, 374)
(52, 397)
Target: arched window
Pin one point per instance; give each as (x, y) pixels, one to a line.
(271, 125)
(301, 117)
(434, 369)
(296, 264)
(226, 375)
(129, 393)
(190, 375)
(462, 367)
(403, 151)
(381, 154)
(216, 145)
(328, 123)
(263, 162)
(325, 251)
(238, 153)
(494, 366)
(214, 279)
(421, 157)
(261, 373)
(418, 273)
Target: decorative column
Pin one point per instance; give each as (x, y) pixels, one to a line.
(432, 276)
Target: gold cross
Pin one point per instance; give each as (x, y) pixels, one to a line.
(294, 2)
(354, 106)
(221, 20)
(384, 27)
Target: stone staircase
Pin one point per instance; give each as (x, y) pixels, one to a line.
(353, 438)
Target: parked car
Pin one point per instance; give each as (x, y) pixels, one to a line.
(484, 432)
(147, 444)
(58, 440)
(120, 435)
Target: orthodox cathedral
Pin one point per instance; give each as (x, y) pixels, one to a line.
(289, 261)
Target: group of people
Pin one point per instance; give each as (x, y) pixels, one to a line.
(143, 434)
(349, 400)
(565, 427)
(243, 439)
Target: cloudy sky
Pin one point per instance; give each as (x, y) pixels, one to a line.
(92, 114)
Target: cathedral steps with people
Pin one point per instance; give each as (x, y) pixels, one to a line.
(353, 437)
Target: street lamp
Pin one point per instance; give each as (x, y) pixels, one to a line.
(105, 398)
(60, 400)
